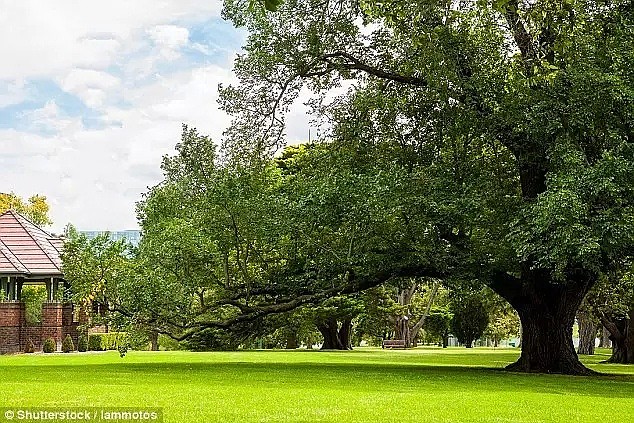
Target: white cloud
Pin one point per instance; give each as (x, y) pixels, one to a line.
(43, 38)
(94, 177)
(109, 55)
(169, 39)
(49, 119)
(14, 92)
(91, 86)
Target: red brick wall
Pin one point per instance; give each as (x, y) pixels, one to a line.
(11, 321)
(57, 322)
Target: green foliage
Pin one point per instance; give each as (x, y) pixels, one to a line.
(33, 296)
(470, 318)
(82, 343)
(211, 340)
(106, 341)
(35, 208)
(95, 269)
(508, 125)
(503, 320)
(168, 344)
(67, 344)
(49, 345)
(437, 325)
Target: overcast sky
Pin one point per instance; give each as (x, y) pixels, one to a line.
(93, 94)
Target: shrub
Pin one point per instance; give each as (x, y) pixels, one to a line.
(470, 319)
(49, 345)
(68, 345)
(30, 347)
(82, 343)
(106, 341)
(211, 339)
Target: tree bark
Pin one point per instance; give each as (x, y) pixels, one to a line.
(622, 337)
(344, 334)
(334, 337)
(547, 312)
(417, 327)
(329, 330)
(154, 341)
(605, 338)
(402, 330)
(587, 333)
(291, 341)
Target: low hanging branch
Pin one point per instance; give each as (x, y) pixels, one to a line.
(355, 284)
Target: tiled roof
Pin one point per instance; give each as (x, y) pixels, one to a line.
(27, 249)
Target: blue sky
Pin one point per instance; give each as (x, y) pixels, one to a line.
(93, 94)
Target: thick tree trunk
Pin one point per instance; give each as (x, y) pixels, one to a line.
(604, 339)
(587, 333)
(154, 341)
(344, 334)
(547, 311)
(622, 337)
(547, 341)
(329, 329)
(291, 341)
(335, 338)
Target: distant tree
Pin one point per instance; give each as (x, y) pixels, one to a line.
(98, 270)
(503, 320)
(35, 208)
(470, 318)
(333, 319)
(438, 324)
(376, 320)
(588, 325)
(612, 301)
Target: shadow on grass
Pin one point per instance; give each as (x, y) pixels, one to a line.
(362, 376)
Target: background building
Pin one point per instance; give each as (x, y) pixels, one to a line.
(132, 236)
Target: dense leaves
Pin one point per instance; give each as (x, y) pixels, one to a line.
(509, 124)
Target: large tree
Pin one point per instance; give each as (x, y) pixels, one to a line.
(515, 116)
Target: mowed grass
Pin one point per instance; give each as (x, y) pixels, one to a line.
(365, 385)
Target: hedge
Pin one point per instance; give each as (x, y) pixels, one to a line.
(106, 341)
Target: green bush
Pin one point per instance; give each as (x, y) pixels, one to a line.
(82, 343)
(211, 339)
(33, 297)
(49, 345)
(30, 347)
(106, 341)
(168, 344)
(68, 345)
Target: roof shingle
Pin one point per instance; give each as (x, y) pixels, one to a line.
(27, 249)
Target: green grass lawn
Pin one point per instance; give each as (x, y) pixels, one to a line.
(365, 385)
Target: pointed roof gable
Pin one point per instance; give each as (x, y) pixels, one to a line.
(27, 249)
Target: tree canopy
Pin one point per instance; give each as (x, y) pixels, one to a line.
(515, 116)
(35, 208)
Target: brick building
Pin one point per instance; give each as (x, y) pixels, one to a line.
(30, 256)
